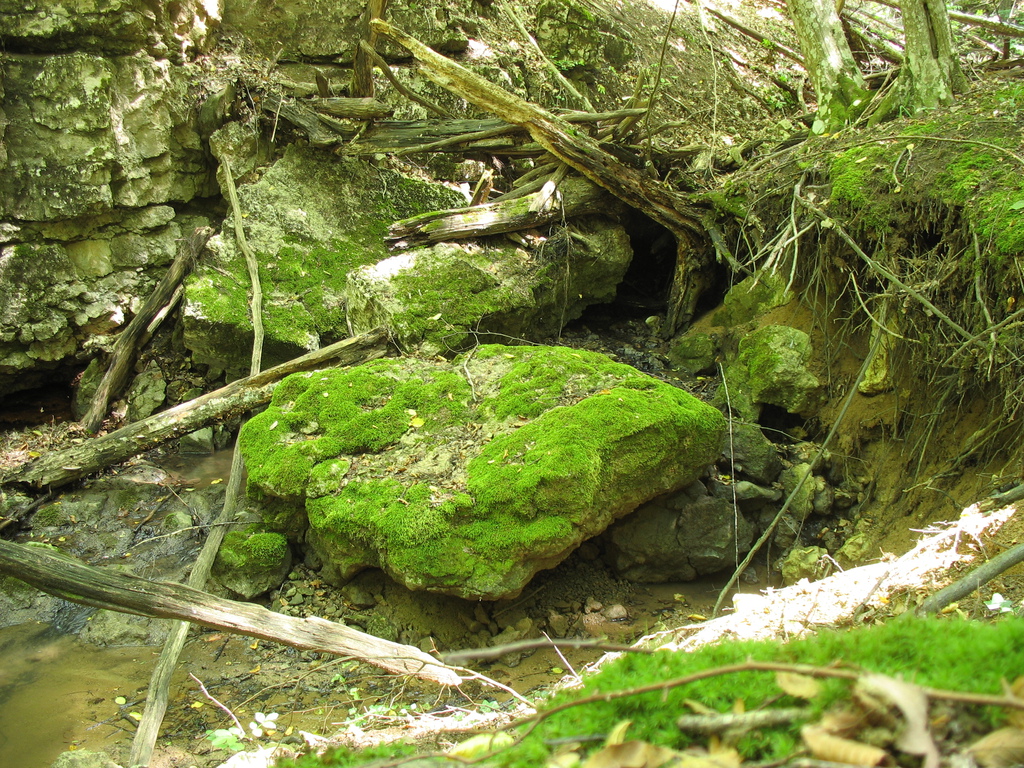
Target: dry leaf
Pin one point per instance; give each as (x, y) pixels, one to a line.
(800, 686)
(630, 754)
(916, 738)
(1000, 749)
(835, 749)
(618, 733)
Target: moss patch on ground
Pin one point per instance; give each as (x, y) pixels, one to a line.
(469, 477)
(949, 654)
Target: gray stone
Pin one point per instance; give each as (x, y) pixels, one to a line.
(114, 629)
(749, 496)
(146, 394)
(677, 538)
(752, 297)
(804, 563)
(251, 563)
(83, 758)
(774, 359)
(694, 352)
(802, 504)
(198, 442)
(445, 297)
(751, 453)
(512, 457)
(310, 219)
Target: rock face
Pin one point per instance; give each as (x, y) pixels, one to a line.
(310, 220)
(97, 137)
(467, 478)
(318, 29)
(442, 297)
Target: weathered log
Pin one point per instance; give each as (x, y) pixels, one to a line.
(352, 109)
(578, 196)
(103, 588)
(362, 65)
(123, 357)
(657, 200)
(571, 146)
(63, 467)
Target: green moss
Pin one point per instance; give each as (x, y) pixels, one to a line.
(858, 179)
(51, 516)
(948, 654)
(528, 494)
(253, 550)
(461, 289)
(318, 417)
(541, 379)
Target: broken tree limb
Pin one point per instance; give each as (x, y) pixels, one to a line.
(578, 197)
(362, 65)
(103, 588)
(972, 581)
(63, 467)
(370, 52)
(160, 680)
(650, 196)
(123, 357)
(558, 137)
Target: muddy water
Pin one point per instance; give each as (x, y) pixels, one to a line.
(58, 694)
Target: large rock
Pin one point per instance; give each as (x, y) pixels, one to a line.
(310, 219)
(678, 537)
(444, 297)
(87, 134)
(467, 478)
(162, 27)
(330, 29)
(773, 360)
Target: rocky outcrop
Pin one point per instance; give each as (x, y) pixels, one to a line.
(97, 138)
(467, 478)
(679, 537)
(443, 297)
(311, 219)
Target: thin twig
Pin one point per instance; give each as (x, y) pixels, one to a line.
(212, 698)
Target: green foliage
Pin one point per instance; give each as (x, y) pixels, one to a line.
(939, 653)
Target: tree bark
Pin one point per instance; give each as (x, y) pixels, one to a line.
(63, 467)
(932, 73)
(838, 83)
(102, 588)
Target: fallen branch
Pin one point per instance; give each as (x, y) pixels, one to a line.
(63, 467)
(972, 581)
(578, 196)
(102, 588)
(125, 349)
(657, 200)
(160, 680)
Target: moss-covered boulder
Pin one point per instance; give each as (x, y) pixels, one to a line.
(310, 219)
(772, 369)
(467, 478)
(443, 298)
(252, 562)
